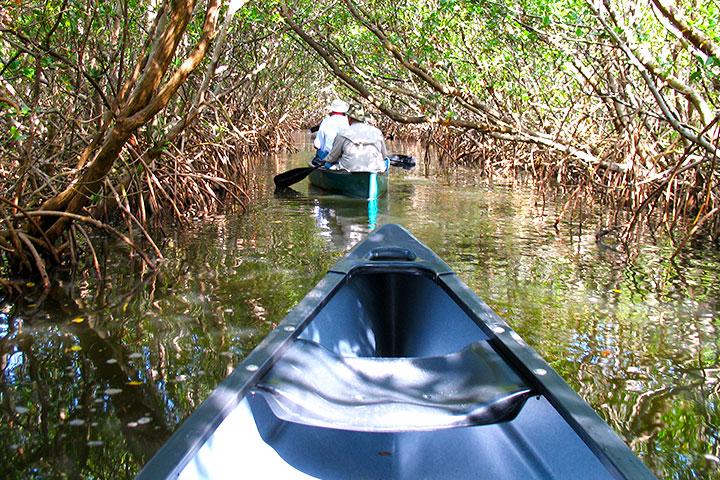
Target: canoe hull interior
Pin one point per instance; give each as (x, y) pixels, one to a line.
(536, 445)
(386, 307)
(363, 185)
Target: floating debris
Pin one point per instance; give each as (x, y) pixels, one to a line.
(135, 355)
(100, 400)
(95, 443)
(144, 420)
(30, 284)
(111, 360)
(21, 410)
(77, 422)
(113, 391)
(134, 383)
(76, 348)
(132, 424)
(94, 424)
(181, 378)
(77, 320)
(712, 458)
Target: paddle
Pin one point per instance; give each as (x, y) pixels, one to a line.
(405, 161)
(285, 179)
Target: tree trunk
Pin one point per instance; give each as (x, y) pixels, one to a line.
(146, 99)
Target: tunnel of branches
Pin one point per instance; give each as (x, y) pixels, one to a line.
(116, 115)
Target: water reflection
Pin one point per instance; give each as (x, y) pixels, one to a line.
(345, 221)
(96, 375)
(341, 220)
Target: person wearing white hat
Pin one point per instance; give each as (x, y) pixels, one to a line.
(358, 148)
(329, 127)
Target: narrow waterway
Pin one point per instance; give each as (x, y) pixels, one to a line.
(97, 375)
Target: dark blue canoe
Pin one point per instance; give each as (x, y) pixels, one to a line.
(391, 368)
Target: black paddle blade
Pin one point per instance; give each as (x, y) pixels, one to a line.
(405, 161)
(285, 179)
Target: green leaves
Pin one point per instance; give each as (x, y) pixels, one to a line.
(28, 72)
(15, 134)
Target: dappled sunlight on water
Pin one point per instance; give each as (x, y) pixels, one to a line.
(96, 376)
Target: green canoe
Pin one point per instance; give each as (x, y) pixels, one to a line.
(352, 184)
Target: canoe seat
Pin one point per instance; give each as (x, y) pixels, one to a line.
(313, 386)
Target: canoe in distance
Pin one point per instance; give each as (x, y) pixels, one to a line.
(364, 185)
(392, 368)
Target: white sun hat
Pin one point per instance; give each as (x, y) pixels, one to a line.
(339, 106)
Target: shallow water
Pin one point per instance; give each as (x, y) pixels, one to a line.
(97, 375)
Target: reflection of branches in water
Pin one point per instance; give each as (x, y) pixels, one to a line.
(604, 369)
(117, 319)
(146, 284)
(105, 364)
(643, 427)
(24, 344)
(642, 422)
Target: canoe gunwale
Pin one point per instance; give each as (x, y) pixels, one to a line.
(599, 437)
